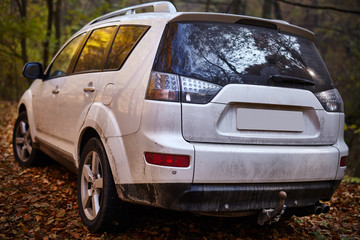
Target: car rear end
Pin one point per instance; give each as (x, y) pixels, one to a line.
(259, 109)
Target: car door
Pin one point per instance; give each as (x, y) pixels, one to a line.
(45, 99)
(79, 89)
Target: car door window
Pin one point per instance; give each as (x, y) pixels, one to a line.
(93, 55)
(125, 40)
(61, 64)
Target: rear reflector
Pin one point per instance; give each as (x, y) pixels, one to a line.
(167, 159)
(343, 161)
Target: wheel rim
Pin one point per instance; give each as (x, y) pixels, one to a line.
(23, 141)
(91, 185)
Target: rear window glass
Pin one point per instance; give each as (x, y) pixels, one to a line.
(124, 42)
(226, 53)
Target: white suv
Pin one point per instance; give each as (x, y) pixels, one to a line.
(203, 112)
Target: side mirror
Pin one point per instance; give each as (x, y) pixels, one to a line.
(33, 70)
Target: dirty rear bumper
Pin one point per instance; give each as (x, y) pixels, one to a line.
(223, 198)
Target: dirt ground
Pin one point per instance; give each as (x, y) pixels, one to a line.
(40, 203)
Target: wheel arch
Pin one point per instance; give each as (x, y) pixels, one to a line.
(87, 134)
(25, 105)
(100, 122)
(22, 108)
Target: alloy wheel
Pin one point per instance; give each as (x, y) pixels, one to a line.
(23, 141)
(91, 185)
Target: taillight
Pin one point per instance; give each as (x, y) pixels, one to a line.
(166, 87)
(197, 91)
(163, 86)
(331, 100)
(343, 161)
(168, 160)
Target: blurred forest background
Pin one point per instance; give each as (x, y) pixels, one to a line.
(34, 30)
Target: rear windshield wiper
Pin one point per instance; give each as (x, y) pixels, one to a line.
(284, 78)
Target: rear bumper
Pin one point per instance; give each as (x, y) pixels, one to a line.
(225, 164)
(227, 198)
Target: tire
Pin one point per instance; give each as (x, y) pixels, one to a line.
(24, 151)
(97, 198)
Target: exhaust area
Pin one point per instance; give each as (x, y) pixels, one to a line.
(321, 208)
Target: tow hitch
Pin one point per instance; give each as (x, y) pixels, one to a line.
(273, 215)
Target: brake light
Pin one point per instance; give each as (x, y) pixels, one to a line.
(167, 159)
(164, 87)
(171, 87)
(331, 100)
(343, 161)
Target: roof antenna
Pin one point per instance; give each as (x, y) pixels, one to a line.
(228, 9)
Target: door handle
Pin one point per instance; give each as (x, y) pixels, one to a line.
(89, 89)
(56, 90)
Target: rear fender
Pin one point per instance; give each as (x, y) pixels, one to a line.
(342, 147)
(102, 119)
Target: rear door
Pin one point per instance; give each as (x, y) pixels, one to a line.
(260, 115)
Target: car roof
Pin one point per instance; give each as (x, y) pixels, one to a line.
(167, 12)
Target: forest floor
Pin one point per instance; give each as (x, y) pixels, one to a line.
(40, 203)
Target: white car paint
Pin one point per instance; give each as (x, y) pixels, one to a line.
(220, 151)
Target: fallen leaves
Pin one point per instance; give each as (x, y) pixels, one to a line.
(61, 213)
(40, 203)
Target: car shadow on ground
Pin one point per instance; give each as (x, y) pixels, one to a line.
(144, 222)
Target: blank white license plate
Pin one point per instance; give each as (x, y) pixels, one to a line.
(269, 120)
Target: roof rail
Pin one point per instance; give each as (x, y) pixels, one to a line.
(161, 6)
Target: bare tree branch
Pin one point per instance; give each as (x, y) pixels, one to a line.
(231, 4)
(320, 7)
(11, 53)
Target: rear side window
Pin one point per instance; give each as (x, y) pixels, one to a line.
(125, 40)
(93, 55)
(61, 64)
(227, 53)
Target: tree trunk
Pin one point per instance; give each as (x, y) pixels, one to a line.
(236, 7)
(46, 42)
(109, 2)
(277, 10)
(57, 22)
(22, 5)
(207, 5)
(267, 5)
(353, 165)
(242, 7)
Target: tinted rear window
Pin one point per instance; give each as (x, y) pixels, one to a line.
(224, 53)
(125, 40)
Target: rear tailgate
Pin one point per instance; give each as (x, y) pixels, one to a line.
(250, 114)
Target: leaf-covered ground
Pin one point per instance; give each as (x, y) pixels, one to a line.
(40, 203)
